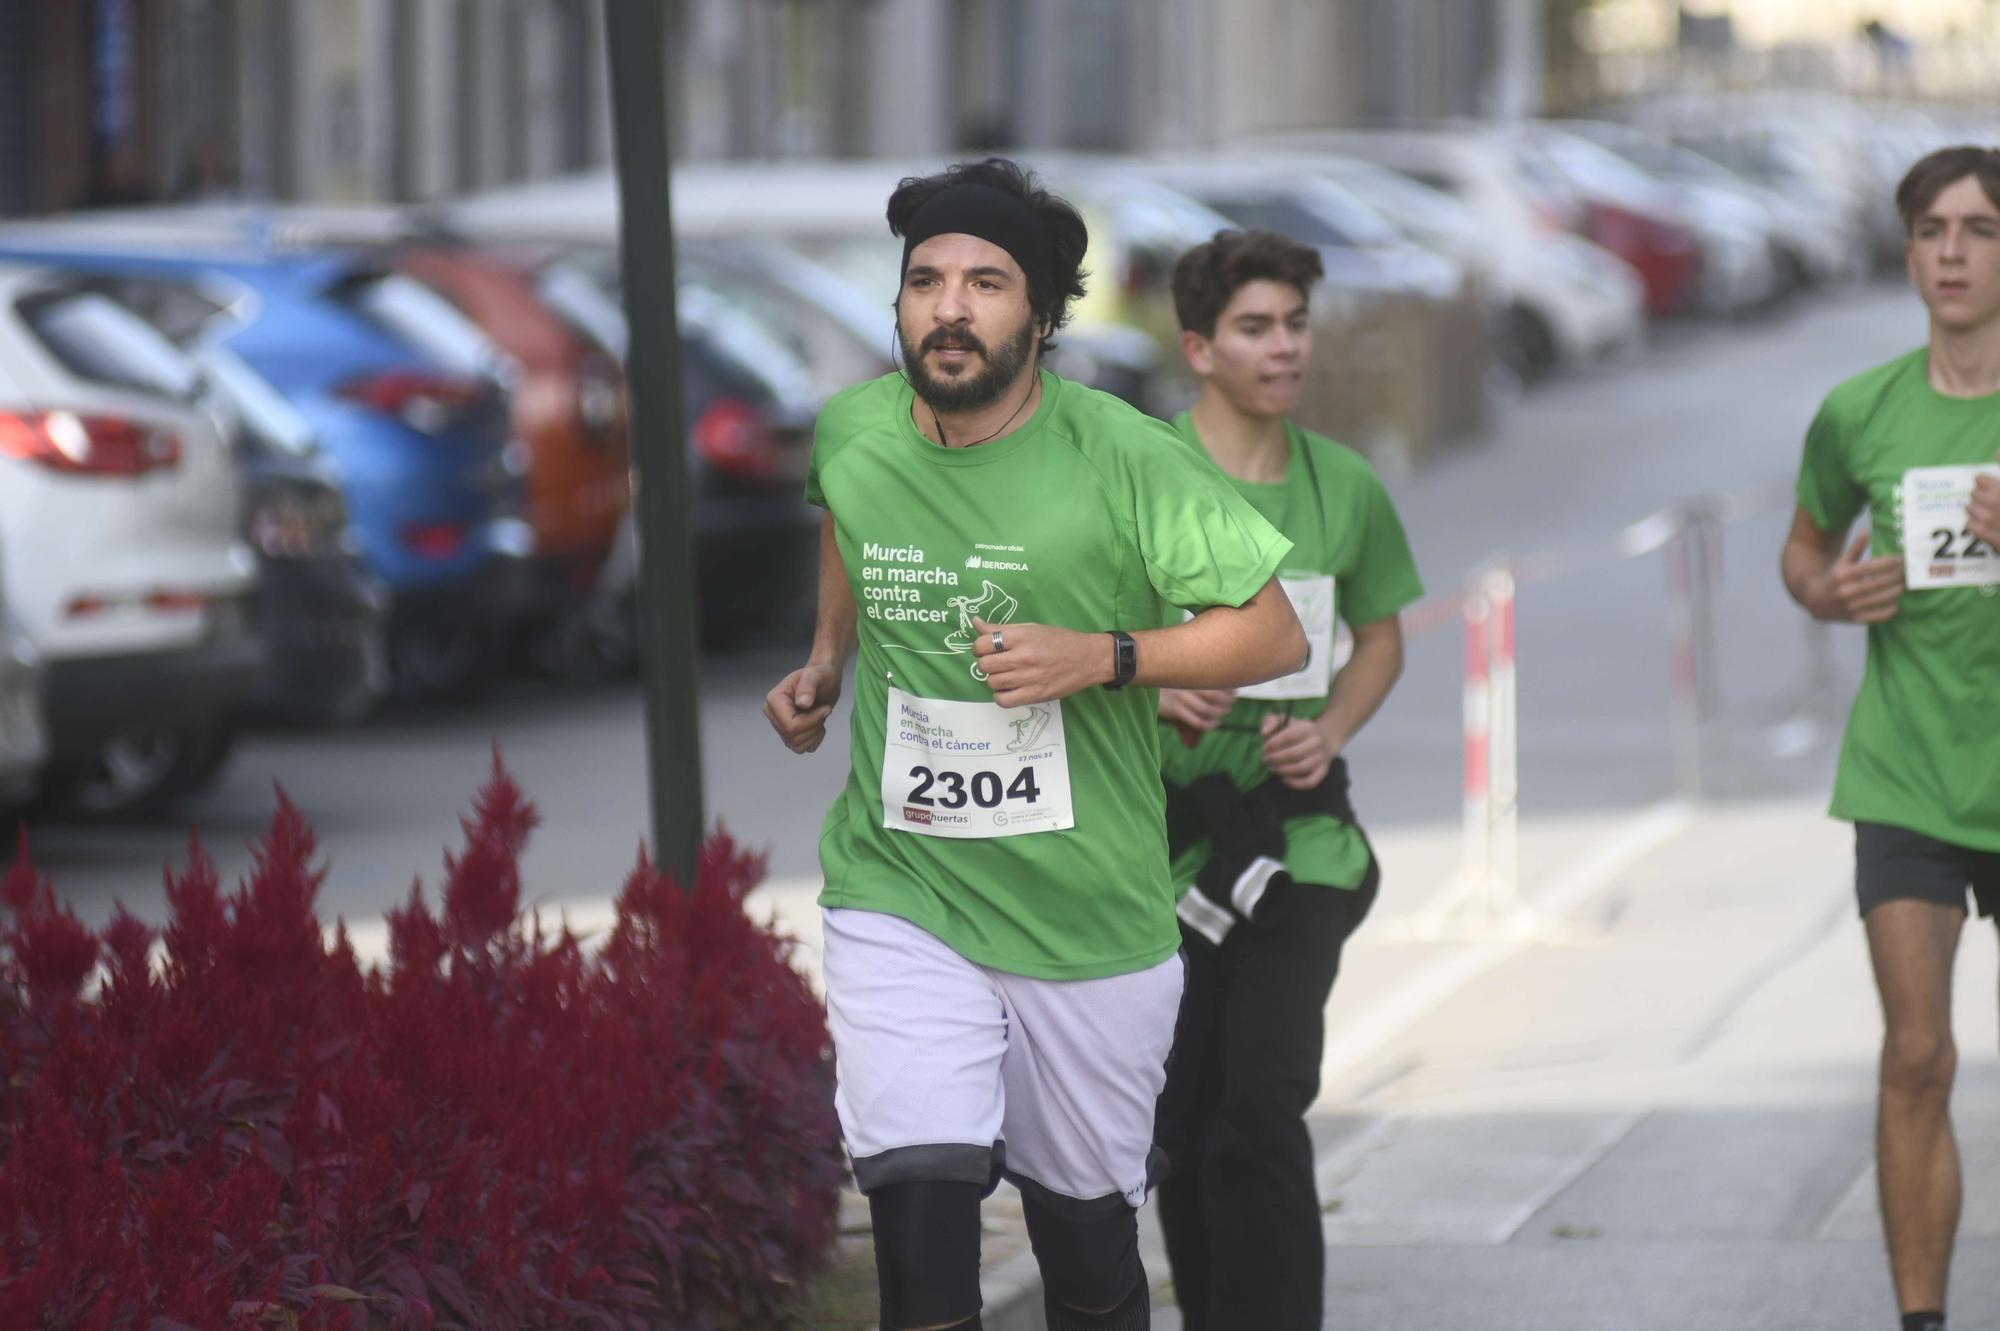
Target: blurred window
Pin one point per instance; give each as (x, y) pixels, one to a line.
(1543, 181)
(180, 311)
(1419, 207)
(750, 351)
(581, 301)
(1601, 171)
(431, 324)
(1287, 217)
(263, 410)
(97, 339)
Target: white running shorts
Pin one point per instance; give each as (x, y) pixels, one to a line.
(947, 1068)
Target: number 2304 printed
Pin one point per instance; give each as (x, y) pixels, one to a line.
(949, 789)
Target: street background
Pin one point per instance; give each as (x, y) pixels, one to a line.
(1590, 261)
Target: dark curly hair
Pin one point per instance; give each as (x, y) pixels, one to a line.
(1934, 174)
(1208, 275)
(1050, 294)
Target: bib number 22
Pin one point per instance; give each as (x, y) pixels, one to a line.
(981, 788)
(1947, 548)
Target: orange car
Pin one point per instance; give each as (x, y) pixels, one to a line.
(568, 408)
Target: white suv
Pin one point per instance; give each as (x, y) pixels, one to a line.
(119, 500)
(24, 736)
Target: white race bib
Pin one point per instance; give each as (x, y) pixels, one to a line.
(974, 769)
(1312, 601)
(1939, 549)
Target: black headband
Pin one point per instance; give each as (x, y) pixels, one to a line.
(992, 215)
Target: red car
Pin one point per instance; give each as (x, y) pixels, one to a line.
(569, 409)
(1620, 208)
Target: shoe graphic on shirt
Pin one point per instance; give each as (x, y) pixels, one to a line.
(992, 605)
(1028, 729)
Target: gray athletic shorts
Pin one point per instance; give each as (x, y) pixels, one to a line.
(956, 1072)
(1894, 863)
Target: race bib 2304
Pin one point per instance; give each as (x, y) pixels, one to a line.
(974, 769)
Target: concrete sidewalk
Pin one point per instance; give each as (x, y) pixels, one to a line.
(1661, 1122)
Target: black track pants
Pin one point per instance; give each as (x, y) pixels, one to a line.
(1239, 1205)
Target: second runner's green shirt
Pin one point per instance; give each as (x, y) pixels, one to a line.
(1333, 508)
(1923, 741)
(1089, 517)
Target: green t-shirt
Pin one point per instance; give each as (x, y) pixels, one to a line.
(1923, 741)
(1333, 508)
(1090, 517)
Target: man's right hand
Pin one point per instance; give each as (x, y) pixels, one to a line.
(1195, 711)
(1856, 590)
(798, 708)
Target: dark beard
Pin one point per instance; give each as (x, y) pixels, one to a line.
(975, 389)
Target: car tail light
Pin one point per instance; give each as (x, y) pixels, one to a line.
(87, 445)
(733, 436)
(421, 399)
(434, 540)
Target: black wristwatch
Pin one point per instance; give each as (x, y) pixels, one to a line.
(1125, 659)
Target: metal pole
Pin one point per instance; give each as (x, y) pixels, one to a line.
(636, 37)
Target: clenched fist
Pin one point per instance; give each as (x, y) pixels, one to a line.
(1039, 662)
(798, 708)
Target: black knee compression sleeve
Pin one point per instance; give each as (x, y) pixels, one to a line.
(1089, 1255)
(1134, 1314)
(927, 1252)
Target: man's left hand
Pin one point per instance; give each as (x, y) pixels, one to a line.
(1983, 514)
(1039, 662)
(1295, 750)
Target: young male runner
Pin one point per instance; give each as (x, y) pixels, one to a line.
(1002, 965)
(1919, 772)
(1274, 872)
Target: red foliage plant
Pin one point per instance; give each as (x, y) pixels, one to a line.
(500, 1130)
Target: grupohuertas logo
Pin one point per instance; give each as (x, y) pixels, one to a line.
(986, 563)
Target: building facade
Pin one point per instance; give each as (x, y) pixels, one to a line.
(105, 102)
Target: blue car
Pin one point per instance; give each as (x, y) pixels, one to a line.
(415, 429)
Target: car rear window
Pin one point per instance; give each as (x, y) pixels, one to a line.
(263, 410)
(579, 301)
(430, 323)
(95, 338)
(744, 351)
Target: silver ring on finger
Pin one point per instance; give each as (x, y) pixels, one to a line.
(999, 644)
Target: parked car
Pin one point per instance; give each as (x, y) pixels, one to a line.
(1634, 217)
(1433, 306)
(24, 732)
(1734, 259)
(432, 480)
(123, 564)
(1565, 300)
(1813, 249)
(321, 616)
(568, 401)
(748, 406)
(830, 214)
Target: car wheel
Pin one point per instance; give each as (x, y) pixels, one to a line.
(1526, 344)
(141, 771)
(440, 663)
